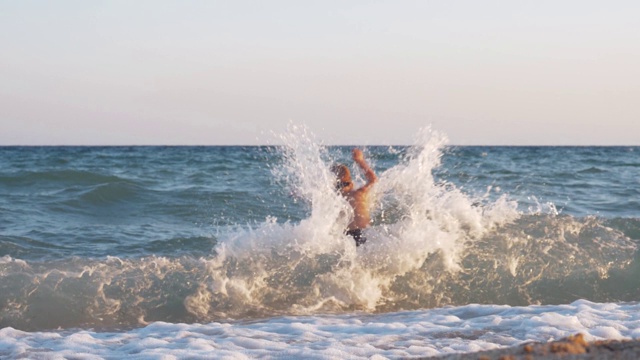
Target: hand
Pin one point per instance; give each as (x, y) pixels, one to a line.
(357, 155)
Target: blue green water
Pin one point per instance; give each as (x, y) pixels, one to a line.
(120, 236)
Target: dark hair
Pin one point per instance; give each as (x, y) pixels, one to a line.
(340, 170)
(342, 184)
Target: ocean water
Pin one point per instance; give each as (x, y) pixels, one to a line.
(239, 252)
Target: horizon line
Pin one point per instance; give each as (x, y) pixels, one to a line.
(334, 145)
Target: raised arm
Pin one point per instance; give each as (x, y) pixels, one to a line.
(358, 157)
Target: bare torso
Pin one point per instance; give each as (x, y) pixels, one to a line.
(359, 201)
(359, 198)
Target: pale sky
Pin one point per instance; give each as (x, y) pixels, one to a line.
(354, 72)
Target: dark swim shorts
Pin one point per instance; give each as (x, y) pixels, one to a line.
(357, 236)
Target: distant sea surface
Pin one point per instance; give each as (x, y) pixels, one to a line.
(239, 252)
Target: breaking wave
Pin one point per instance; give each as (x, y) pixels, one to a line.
(430, 245)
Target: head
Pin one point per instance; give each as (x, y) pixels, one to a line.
(343, 177)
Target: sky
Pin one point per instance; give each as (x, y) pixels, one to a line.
(159, 72)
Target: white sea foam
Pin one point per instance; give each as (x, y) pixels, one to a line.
(312, 265)
(355, 336)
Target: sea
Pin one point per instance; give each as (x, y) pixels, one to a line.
(239, 252)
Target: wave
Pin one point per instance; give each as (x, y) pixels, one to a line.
(274, 270)
(26, 247)
(56, 176)
(31, 249)
(175, 246)
(431, 245)
(110, 193)
(592, 170)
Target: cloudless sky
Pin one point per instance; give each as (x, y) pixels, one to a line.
(354, 72)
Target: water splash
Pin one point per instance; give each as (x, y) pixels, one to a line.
(312, 266)
(430, 245)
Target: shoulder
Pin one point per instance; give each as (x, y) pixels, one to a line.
(364, 188)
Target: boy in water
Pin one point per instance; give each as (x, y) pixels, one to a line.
(357, 198)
